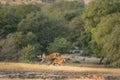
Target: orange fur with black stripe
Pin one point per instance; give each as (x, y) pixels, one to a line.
(50, 57)
(58, 61)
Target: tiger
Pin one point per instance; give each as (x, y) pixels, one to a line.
(54, 55)
(44, 59)
(49, 57)
(58, 61)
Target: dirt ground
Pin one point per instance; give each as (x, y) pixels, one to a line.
(76, 69)
(58, 75)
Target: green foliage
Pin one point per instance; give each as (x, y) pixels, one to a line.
(76, 27)
(106, 36)
(26, 30)
(10, 46)
(43, 26)
(65, 10)
(11, 16)
(28, 53)
(97, 9)
(23, 10)
(22, 40)
(14, 43)
(9, 50)
(92, 17)
(8, 21)
(37, 24)
(59, 45)
(101, 23)
(69, 14)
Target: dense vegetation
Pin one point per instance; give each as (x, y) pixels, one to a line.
(29, 30)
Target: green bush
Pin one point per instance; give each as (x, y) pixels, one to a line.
(29, 53)
(59, 45)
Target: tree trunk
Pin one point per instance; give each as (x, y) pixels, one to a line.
(100, 62)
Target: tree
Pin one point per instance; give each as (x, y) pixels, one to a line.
(92, 17)
(8, 21)
(76, 28)
(96, 10)
(106, 35)
(11, 16)
(65, 10)
(68, 14)
(59, 45)
(9, 49)
(12, 45)
(44, 27)
(23, 10)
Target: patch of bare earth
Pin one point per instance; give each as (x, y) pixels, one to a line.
(22, 71)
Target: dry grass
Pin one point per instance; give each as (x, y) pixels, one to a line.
(20, 79)
(46, 79)
(41, 79)
(5, 66)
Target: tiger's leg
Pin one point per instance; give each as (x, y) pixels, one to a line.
(43, 60)
(60, 64)
(51, 63)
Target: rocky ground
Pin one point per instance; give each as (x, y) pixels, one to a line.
(58, 75)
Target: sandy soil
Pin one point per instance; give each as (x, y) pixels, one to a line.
(24, 71)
